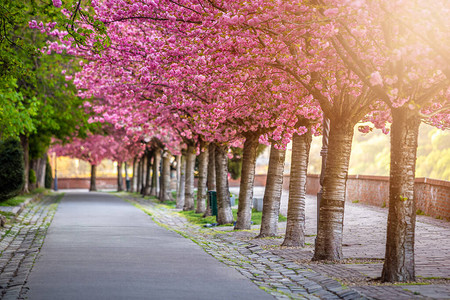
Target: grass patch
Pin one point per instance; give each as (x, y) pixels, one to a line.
(411, 283)
(420, 212)
(16, 201)
(198, 219)
(170, 204)
(7, 214)
(355, 201)
(195, 218)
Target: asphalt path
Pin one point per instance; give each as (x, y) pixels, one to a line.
(101, 247)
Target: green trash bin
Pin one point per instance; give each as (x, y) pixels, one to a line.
(212, 197)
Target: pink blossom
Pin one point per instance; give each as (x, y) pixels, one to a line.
(376, 79)
(57, 3)
(331, 12)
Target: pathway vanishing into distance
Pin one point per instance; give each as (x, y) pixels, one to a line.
(101, 247)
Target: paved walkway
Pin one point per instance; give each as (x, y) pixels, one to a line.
(101, 247)
(365, 236)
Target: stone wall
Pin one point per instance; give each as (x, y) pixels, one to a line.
(432, 196)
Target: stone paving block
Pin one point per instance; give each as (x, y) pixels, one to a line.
(18, 254)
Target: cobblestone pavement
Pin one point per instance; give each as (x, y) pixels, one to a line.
(20, 243)
(289, 273)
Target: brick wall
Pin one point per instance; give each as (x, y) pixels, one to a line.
(83, 183)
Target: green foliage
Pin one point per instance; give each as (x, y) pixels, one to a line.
(235, 163)
(371, 154)
(48, 176)
(15, 113)
(12, 168)
(32, 176)
(433, 153)
(32, 82)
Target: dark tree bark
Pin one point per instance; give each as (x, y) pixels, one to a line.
(143, 173)
(119, 177)
(244, 214)
(189, 187)
(148, 183)
(295, 226)
(272, 193)
(328, 244)
(139, 176)
(399, 257)
(224, 213)
(211, 178)
(181, 183)
(127, 178)
(155, 171)
(133, 178)
(202, 171)
(93, 185)
(165, 178)
(26, 158)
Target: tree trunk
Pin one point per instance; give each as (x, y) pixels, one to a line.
(178, 173)
(399, 257)
(328, 244)
(139, 176)
(133, 178)
(272, 193)
(181, 183)
(43, 170)
(143, 172)
(244, 214)
(127, 178)
(39, 168)
(26, 158)
(93, 185)
(224, 213)
(161, 179)
(155, 172)
(119, 177)
(165, 191)
(149, 174)
(202, 171)
(295, 226)
(189, 187)
(211, 178)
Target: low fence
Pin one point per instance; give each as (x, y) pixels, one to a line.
(432, 196)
